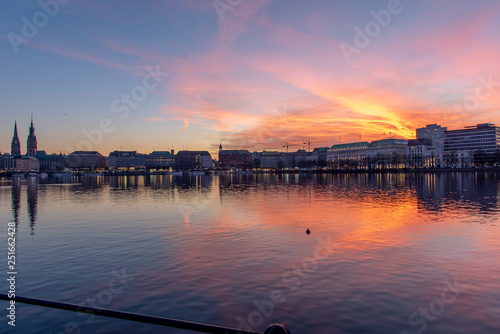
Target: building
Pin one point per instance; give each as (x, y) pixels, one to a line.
(126, 161)
(21, 164)
(480, 143)
(256, 159)
(241, 159)
(433, 132)
(50, 162)
(31, 143)
(86, 161)
(455, 159)
(301, 158)
(186, 160)
(387, 153)
(421, 153)
(15, 147)
(3, 157)
(347, 156)
(318, 157)
(160, 160)
(287, 160)
(270, 160)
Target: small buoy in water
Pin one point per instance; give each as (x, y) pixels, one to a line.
(307, 232)
(277, 329)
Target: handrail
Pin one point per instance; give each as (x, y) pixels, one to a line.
(187, 325)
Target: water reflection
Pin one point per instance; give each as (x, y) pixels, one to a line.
(32, 199)
(16, 199)
(204, 248)
(476, 189)
(431, 191)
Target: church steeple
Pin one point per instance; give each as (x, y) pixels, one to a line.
(31, 142)
(15, 147)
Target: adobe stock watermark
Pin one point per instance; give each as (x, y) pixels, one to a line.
(30, 28)
(363, 37)
(436, 307)
(272, 125)
(223, 6)
(188, 210)
(292, 280)
(483, 91)
(103, 297)
(122, 107)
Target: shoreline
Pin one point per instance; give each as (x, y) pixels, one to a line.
(229, 172)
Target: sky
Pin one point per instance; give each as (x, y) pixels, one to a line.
(250, 74)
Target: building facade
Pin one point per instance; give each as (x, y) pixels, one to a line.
(270, 160)
(421, 153)
(348, 156)
(480, 143)
(241, 159)
(21, 164)
(387, 153)
(86, 161)
(127, 161)
(50, 162)
(187, 160)
(433, 132)
(160, 160)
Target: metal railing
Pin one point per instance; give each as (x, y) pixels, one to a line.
(181, 324)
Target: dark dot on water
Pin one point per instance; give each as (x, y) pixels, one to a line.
(307, 232)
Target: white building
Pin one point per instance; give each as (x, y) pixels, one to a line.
(387, 153)
(421, 153)
(353, 155)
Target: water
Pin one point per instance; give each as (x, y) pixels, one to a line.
(232, 251)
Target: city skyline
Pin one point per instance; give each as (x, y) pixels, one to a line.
(31, 143)
(255, 75)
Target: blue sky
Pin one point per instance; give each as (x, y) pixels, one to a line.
(270, 72)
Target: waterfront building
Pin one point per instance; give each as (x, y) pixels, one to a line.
(421, 153)
(387, 153)
(21, 164)
(347, 156)
(301, 158)
(256, 158)
(186, 160)
(127, 161)
(3, 158)
(160, 160)
(455, 159)
(288, 160)
(241, 159)
(270, 160)
(433, 132)
(318, 157)
(86, 161)
(50, 162)
(479, 143)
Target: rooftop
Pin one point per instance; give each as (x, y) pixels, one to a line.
(350, 146)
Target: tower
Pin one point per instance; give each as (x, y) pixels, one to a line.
(15, 147)
(220, 153)
(31, 143)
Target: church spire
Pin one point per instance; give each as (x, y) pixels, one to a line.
(15, 148)
(31, 142)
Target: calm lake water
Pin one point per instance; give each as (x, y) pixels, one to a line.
(387, 253)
